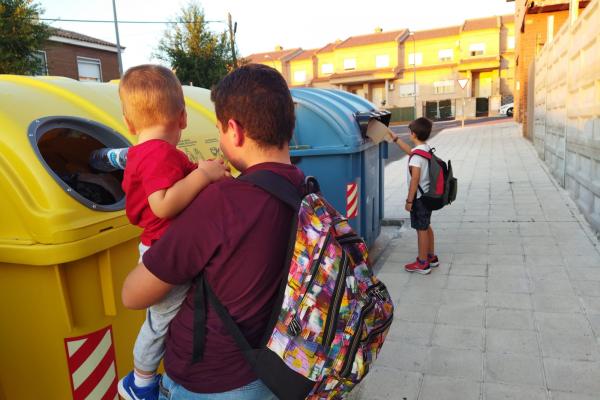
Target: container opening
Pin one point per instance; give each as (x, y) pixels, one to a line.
(64, 145)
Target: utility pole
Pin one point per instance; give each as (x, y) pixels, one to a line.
(232, 30)
(412, 34)
(118, 40)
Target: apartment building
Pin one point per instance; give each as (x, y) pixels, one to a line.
(403, 71)
(537, 23)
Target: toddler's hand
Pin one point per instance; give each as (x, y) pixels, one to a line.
(214, 169)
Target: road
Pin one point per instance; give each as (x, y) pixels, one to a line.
(395, 153)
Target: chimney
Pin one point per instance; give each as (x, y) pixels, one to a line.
(378, 30)
(278, 47)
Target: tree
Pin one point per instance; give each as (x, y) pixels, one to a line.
(197, 54)
(21, 35)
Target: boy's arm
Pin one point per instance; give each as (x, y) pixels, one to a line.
(167, 203)
(402, 144)
(142, 289)
(414, 185)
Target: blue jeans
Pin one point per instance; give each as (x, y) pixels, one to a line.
(170, 390)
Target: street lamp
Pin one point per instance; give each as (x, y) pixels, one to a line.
(412, 34)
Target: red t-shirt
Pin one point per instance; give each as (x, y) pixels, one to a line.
(151, 166)
(236, 234)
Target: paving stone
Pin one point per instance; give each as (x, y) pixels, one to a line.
(556, 304)
(552, 287)
(458, 363)
(573, 376)
(462, 297)
(512, 368)
(421, 295)
(577, 348)
(509, 285)
(556, 395)
(563, 324)
(404, 356)
(476, 283)
(587, 288)
(505, 341)
(499, 391)
(387, 383)
(469, 270)
(500, 318)
(457, 337)
(520, 301)
(418, 333)
(467, 315)
(438, 387)
(416, 312)
(507, 271)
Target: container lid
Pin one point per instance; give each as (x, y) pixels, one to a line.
(48, 124)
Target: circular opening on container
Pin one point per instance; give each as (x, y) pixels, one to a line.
(64, 145)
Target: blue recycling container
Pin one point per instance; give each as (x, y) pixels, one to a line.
(330, 143)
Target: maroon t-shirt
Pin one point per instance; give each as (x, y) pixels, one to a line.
(237, 235)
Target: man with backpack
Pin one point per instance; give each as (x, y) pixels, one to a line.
(283, 302)
(418, 177)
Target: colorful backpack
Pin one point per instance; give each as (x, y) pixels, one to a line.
(331, 315)
(442, 183)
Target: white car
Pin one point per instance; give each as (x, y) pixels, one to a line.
(507, 109)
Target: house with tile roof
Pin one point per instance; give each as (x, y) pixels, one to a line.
(278, 59)
(79, 56)
(404, 71)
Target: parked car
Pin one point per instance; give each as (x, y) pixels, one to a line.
(507, 109)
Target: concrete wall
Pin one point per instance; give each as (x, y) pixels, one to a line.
(566, 109)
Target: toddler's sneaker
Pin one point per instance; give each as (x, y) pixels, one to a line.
(433, 261)
(129, 391)
(420, 267)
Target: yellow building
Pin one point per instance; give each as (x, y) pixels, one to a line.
(278, 59)
(402, 70)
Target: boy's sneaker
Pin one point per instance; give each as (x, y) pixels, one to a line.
(420, 267)
(433, 261)
(129, 391)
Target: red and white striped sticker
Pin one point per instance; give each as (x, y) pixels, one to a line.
(92, 369)
(352, 200)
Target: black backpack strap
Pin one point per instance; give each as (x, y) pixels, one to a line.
(199, 332)
(276, 185)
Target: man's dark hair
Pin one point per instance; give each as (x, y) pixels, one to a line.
(258, 98)
(421, 127)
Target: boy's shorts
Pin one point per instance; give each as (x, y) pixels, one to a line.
(420, 217)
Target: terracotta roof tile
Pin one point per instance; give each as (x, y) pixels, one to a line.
(328, 48)
(277, 55)
(304, 55)
(78, 36)
(437, 33)
(508, 19)
(480, 23)
(373, 38)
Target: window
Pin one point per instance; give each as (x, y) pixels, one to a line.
(445, 55)
(300, 76)
(327, 69)
(415, 56)
(407, 90)
(441, 87)
(349, 63)
(511, 42)
(89, 69)
(382, 61)
(43, 68)
(477, 49)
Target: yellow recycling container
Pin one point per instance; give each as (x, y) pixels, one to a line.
(65, 242)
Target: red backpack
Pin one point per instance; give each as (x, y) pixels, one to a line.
(442, 183)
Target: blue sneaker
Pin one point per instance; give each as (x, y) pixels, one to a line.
(129, 391)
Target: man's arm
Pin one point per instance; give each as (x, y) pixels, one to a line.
(142, 289)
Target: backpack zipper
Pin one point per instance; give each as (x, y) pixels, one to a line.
(356, 339)
(334, 306)
(294, 327)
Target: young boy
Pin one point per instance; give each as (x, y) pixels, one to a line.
(418, 183)
(159, 182)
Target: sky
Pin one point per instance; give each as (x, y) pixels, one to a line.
(264, 24)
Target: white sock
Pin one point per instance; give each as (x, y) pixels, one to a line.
(143, 380)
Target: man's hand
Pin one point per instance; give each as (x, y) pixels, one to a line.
(214, 169)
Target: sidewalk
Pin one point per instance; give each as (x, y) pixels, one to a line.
(513, 311)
